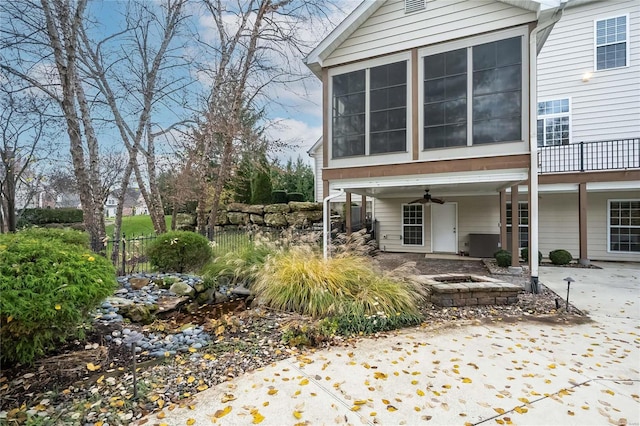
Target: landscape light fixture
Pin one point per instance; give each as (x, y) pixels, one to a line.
(569, 280)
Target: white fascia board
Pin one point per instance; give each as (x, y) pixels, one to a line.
(340, 34)
(455, 178)
(632, 185)
(533, 6)
(312, 151)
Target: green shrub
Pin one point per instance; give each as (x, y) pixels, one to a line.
(524, 253)
(48, 289)
(236, 266)
(503, 258)
(495, 255)
(560, 257)
(346, 289)
(179, 251)
(279, 197)
(295, 196)
(44, 216)
(261, 187)
(67, 236)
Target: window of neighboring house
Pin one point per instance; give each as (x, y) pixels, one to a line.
(553, 122)
(370, 111)
(412, 224)
(473, 95)
(523, 224)
(624, 225)
(611, 37)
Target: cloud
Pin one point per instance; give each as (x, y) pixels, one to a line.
(296, 136)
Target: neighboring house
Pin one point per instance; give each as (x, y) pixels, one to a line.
(134, 204)
(442, 96)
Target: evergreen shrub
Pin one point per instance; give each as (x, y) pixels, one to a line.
(560, 257)
(44, 216)
(179, 251)
(279, 197)
(503, 258)
(524, 253)
(295, 196)
(49, 288)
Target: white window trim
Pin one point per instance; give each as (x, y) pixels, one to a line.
(402, 224)
(508, 218)
(595, 43)
(608, 242)
(562, 114)
(466, 43)
(367, 65)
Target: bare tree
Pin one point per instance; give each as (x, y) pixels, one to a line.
(44, 36)
(257, 45)
(133, 83)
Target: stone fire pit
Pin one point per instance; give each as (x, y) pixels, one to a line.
(469, 290)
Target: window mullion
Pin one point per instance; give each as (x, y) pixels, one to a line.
(469, 96)
(367, 111)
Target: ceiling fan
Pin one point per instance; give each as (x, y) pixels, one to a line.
(427, 198)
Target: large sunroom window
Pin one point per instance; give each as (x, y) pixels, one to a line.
(370, 111)
(473, 95)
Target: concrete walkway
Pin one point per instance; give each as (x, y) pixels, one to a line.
(522, 373)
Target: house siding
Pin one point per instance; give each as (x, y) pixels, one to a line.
(389, 29)
(608, 105)
(558, 223)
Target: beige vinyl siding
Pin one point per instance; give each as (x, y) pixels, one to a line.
(558, 223)
(388, 213)
(318, 184)
(477, 215)
(597, 215)
(389, 29)
(608, 105)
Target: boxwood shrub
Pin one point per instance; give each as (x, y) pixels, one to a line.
(524, 253)
(179, 251)
(503, 258)
(279, 197)
(560, 257)
(48, 289)
(40, 216)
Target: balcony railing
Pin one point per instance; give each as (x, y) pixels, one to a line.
(619, 154)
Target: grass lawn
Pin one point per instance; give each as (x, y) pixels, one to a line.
(133, 226)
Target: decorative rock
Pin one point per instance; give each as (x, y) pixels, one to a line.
(301, 218)
(169, 303)
(119, 301)
(236, 207)
(221, 218)
(182, 289)
(297, 206)
(256, 219)
(277, 208)
(236, 218)
(256, 209)
(139, 283)
(199, 287)
(241, 291)
(139, 313)
(275, 220)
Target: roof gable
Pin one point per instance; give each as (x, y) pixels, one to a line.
(315, 59)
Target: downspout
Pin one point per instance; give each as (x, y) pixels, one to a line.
(326, 225)
(533, 148)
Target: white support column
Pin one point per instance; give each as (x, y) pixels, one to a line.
(533, 168)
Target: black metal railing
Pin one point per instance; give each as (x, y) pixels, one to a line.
(131, 256)
(617, 154)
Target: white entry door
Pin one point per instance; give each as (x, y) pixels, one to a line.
(444, 223)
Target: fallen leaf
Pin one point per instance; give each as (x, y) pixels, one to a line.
(191, 379)
(92, 367)
(391, 408)
(499, 410)
(221, 413)
(272, 391)
(466, 380)
(297, 415)
(420, 392)
(227, 397)
(191, 421)
(304, 382)
(161, 415)
(571, 413)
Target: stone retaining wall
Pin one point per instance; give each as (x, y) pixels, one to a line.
(293, 214)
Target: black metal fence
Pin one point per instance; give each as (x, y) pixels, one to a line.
(132, 250)
(618, 154)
